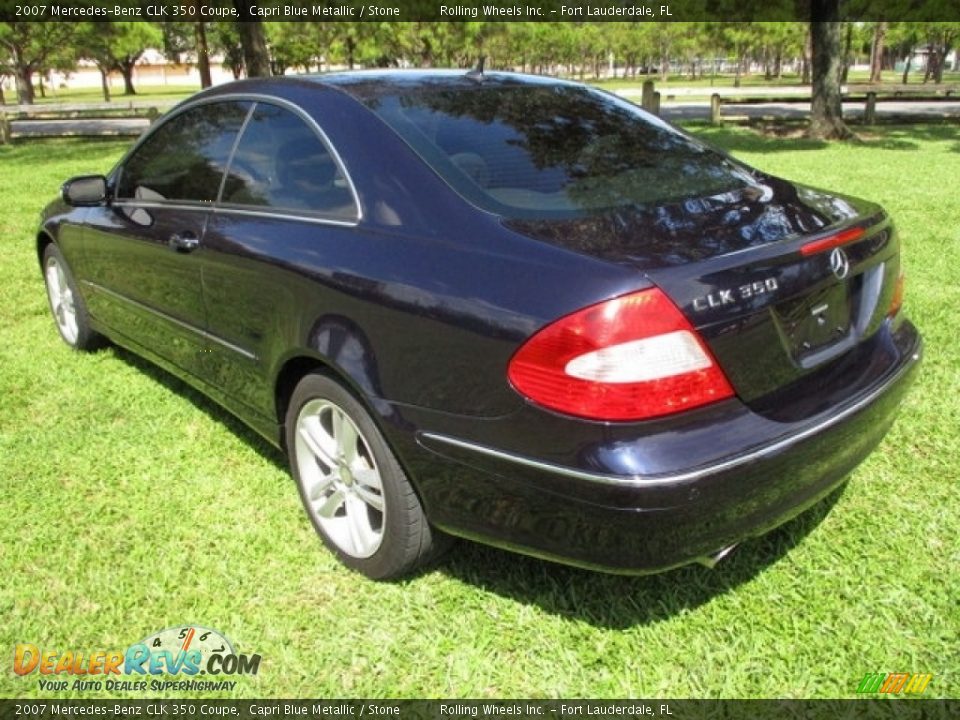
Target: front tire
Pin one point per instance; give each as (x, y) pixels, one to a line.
(354, 491)
(66, 305)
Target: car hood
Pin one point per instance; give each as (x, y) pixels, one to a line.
(696, 229)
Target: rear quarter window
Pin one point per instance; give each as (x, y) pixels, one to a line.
(282, 164)
(533, 151)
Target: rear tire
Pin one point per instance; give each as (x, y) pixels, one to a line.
(353, 489)
(66, 305)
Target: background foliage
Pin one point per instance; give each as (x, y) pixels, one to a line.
(582, 49)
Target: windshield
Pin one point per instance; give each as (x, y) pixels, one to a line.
(541, 151)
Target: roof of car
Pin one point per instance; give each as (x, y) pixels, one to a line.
(362, 81)
(366, 85)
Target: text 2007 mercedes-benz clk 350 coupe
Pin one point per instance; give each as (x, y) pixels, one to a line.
(495, 306)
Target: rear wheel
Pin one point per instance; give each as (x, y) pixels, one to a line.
(353, 489)
(66, 305)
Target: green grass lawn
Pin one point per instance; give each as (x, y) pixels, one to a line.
(131, 504)
(160, 93)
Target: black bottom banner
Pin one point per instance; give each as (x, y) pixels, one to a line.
(485, 709)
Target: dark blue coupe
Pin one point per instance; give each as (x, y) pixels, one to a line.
(495, 306)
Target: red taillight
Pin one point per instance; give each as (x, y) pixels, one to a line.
(831, 241)
(630, 358)
(896, 302)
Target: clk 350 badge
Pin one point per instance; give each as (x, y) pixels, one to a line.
(733, 295)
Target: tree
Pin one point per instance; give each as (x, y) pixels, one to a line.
(115, 46)
(94, 44)
(776, 40)
(826, 110)
(178, 40)
(876, 52)
(28, 48)
(346, 40)
(301, 45)
(737, 36)
(904, 37)
(847, 46)
(203, 54)
(130, 41)
(941, 37)
(226, 40)
(256, 57)
(633, 43)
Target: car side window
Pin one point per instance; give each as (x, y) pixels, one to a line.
(280, 163)
(185, 158)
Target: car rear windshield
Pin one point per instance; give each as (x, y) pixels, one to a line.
(530, 151)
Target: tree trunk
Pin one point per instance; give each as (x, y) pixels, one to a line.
(203, 54)
(104, 84)
(931, 63)
(24, 81)
(906, 67)
(826, 111)
(944, 51)
(807, 53)
(126, 69)
(252, 40)
(845, 70)
(40, 86)
(876, 52)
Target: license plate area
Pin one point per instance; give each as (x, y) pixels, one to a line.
(819, 323)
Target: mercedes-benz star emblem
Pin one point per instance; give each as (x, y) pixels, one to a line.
(839, 263)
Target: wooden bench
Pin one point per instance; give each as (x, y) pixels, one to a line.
(870, 95)
(81, 120)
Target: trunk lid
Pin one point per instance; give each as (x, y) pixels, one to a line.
(791, 329)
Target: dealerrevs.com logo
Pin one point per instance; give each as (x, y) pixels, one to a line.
(186, 650)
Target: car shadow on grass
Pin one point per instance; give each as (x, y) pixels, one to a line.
(200, 401)
(618, 601)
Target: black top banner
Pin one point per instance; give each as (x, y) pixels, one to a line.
(472, 10)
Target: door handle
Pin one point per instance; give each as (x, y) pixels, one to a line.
(183, 242)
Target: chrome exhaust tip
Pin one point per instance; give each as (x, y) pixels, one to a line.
(711, 561)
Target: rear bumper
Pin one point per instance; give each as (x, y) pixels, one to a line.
(642, 523)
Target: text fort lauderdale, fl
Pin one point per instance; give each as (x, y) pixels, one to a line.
(569, 11)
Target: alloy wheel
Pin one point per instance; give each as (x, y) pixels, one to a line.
(340, 479)
(61, 300)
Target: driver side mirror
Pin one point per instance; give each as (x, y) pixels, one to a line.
(85, 191)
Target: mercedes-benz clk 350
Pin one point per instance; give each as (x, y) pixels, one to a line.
(495, 306)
